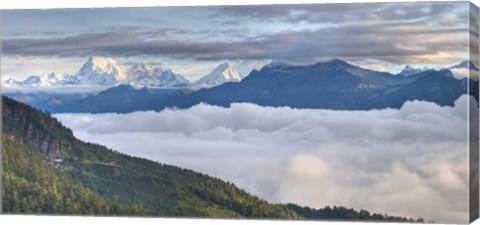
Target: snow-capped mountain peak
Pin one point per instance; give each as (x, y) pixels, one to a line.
(221, 74)
(46, 80)
(171, 71)
(140, 71)
(408, 67)
(102, 71)
(465, 69)
(10, 81)
(51, 78)
(141, 67)
(144, 75)
(465, 65)
(409, 70)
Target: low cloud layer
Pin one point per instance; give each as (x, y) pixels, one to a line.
(410, 162)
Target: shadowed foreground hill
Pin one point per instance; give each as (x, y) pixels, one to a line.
(47, 170)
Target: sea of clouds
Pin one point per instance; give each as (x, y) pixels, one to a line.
(410, 161)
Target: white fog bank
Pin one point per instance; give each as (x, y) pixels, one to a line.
(409, 162)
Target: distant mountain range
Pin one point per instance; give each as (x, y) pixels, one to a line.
(103, 71)
(460, 70)
(335, 84)
(465, 65)
(409, 70)
(144, 75)
(224, 73)
(51, 79)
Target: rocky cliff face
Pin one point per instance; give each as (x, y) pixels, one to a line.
(29, 134)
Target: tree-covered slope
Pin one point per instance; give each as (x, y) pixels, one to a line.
(47, 170)
(344, 214)
(44, 158)
(30, 185)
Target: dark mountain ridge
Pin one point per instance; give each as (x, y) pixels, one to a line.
(335, 85)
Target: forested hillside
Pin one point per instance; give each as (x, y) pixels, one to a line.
(47, 170)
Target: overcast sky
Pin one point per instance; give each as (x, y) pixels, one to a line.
(193, 40)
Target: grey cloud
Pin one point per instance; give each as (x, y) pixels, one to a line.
(337, 13)
(410, 162)
(78, 45)
(174, 33)
(395, 42)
